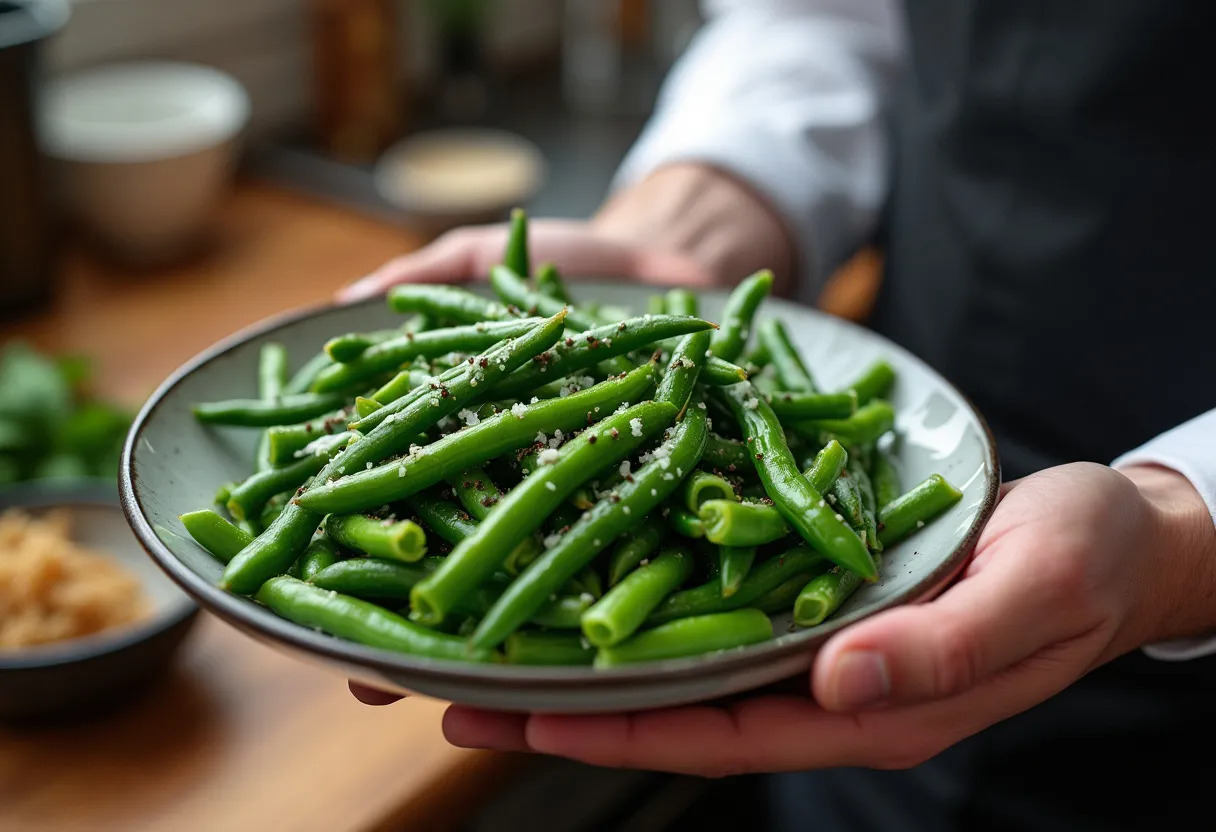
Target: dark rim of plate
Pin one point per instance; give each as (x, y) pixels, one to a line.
(96, 493)
(250, 617)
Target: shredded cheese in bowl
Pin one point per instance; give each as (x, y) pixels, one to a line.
(53, 589)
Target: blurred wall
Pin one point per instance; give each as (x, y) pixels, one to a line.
(265, 43)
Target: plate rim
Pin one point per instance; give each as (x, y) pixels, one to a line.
(245, 614)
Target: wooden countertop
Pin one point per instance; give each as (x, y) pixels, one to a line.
(239, 736)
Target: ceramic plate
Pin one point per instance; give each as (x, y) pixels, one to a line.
(173, 464)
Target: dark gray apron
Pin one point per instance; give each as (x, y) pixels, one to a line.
(1049, 249)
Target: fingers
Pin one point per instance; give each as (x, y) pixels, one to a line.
(998, 615)
(447, 260)
(789, 733)
(468, 253)
(372, 696)
(473, 728)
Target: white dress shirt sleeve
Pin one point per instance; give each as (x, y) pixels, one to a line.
(788, 95)
(1189, 449)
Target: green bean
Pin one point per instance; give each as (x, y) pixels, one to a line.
(702, 486)
(564, 613)
(800, 406)
(576, 354)
(446, 303)
(471, 446)
(224, 492)
(824, 594)
(637, 545)
(731, 523)
(272, 378)
(682, 371)
(783, 355)
(515, 257)
(400, 385)
(287, 443)
(656, 305)
(863, 427)
(801, 561)
(916, 507)
(550, 284)
(737, 315)
(869, 508)
(619, 614)
(526, 506)
(690, 637)
(803, 507)
(270, 510)
(215, 534)
(728, 455)
(782, 598)
(454, 525)
(391, 354)
(874, 383)
(359, 621)
(255, 413)
(373, 578)
(719, 373)
(320, 554)
(734, 564)
(685, 523)
(530, 647)
(653, 483)
(885, 477)
(388, 427)
(847, 501)
(272, 551)
(587, 580)
(247, 499)
(512, 290)
(402, 540)
(365, 407)
(351, 345)
(302, 380)
(734, 523)
(680, 301)
(827, 466)
(450, 522)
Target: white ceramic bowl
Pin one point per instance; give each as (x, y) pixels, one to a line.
(458, 176)
(172, 464)
(144, 151)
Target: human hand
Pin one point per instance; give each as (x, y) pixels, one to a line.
(1078, 565)
(684, 225)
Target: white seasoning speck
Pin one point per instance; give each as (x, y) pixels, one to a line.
(669, 476)
(751, 403)
(627, 509)
(367, 467)
(623, 469)
(823, 503)
(635, 427)
(701, 405)
(550, 486)
(839, 517)
(920, 524)
(586, 597)
(654, 492)
(534, 400)
(644, 562)
(547, 457)
(519, 410)
(401, 471)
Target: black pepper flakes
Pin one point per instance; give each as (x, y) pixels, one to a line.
(592, 439)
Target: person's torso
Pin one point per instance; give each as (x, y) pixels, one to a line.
(1048, 240)
(1049, 248)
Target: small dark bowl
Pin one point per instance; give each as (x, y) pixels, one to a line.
(90, 673)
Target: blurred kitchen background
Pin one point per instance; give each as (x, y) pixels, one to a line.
(174, 170)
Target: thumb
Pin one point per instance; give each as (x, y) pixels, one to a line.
(995, 617)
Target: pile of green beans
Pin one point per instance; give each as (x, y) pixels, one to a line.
(531, 481)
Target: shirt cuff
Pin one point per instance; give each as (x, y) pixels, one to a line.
(1189, 449)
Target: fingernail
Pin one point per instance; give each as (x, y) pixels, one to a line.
(861, 679)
